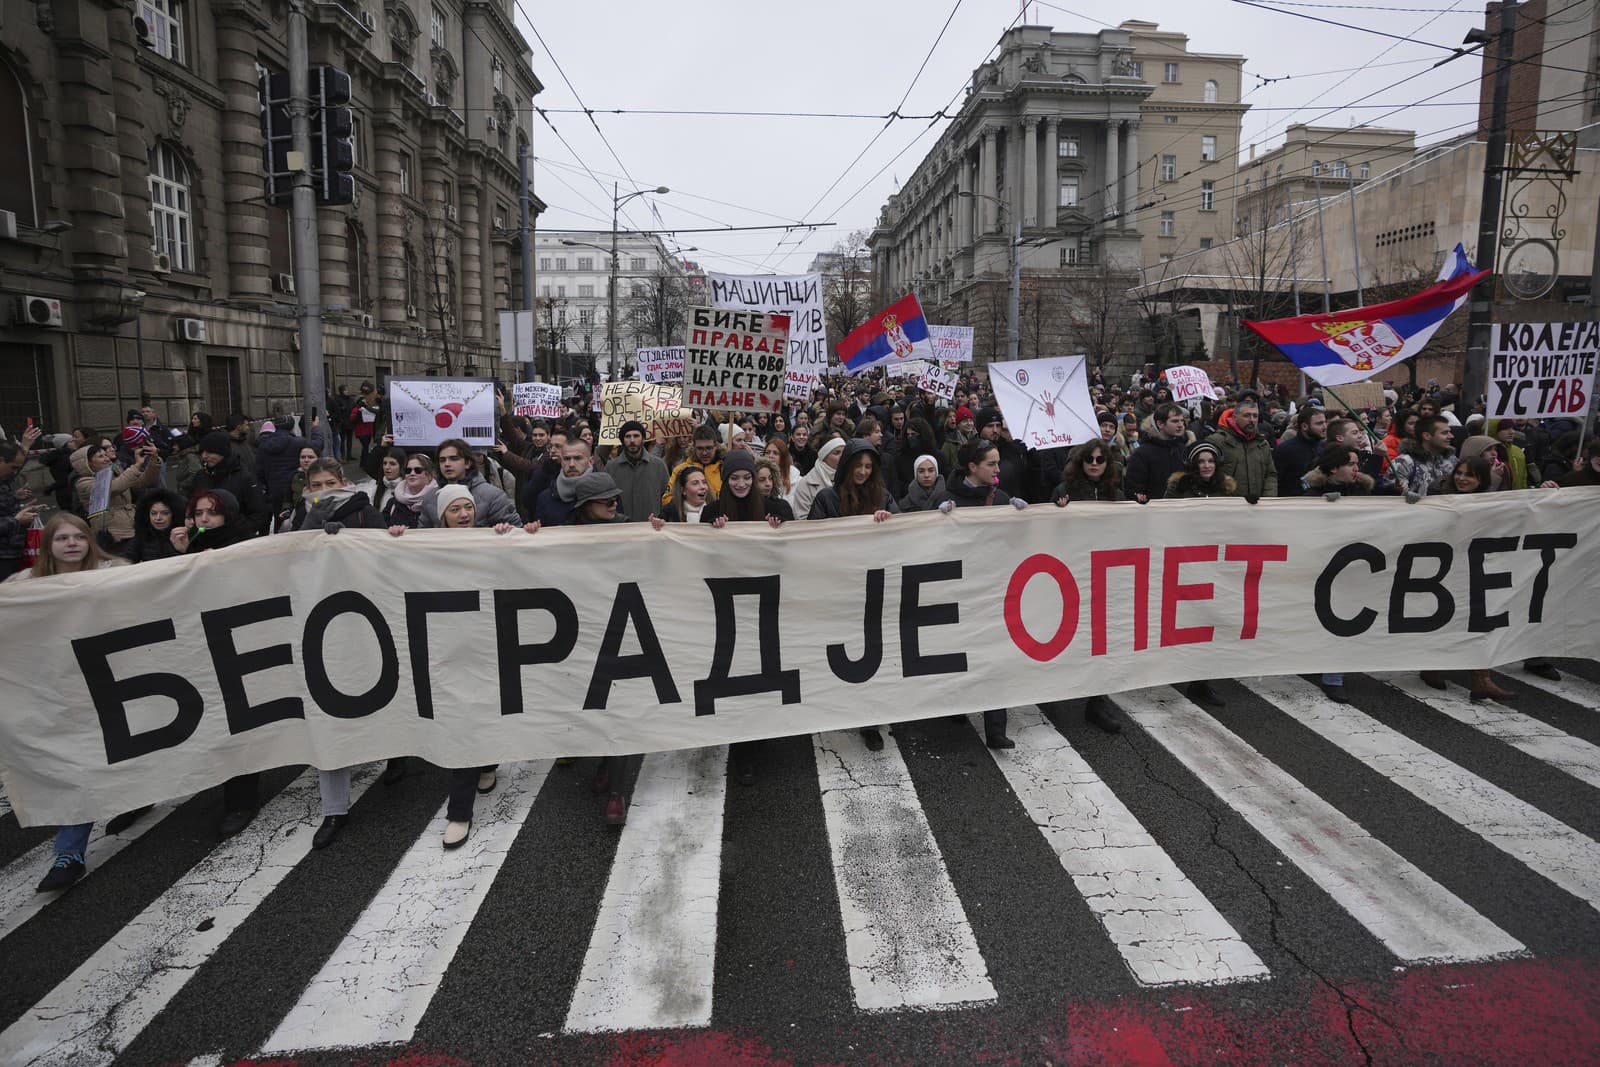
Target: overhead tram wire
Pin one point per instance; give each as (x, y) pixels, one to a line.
(1345, 25)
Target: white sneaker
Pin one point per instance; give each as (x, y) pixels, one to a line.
(486, 781)
(455, 834)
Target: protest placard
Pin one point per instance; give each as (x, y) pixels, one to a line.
(1046, 401)
(651, 403)
(911, 368)
(1189, 383)
(734, 360)
(1542, 370)
(536, 400)
(953, 343)
(1357, 396)
(660, 364)
(423, 412)
(800, 297)
(938, 380)
(146, 683)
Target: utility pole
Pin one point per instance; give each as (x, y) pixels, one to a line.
(1013, 313)
(303, 223)
(611, 309)
(1475, 379)
(527, 255)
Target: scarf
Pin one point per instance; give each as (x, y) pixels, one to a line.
(100, 495)
(567, 488)
(322, 507)
(417, 501)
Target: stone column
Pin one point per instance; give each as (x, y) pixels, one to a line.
(1052, 170)
(1030, 172)
(248, 252)
(986, 183)
(391, 285)
(334, 255)
(477, 314)
(133, 142)
(963, 203)
(1130, 182)
(91, 167)
(1112, 194)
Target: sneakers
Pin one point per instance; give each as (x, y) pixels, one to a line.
(1334, 693)
(873, 738)
(394, 770)
(1097, 713)
(234, 821)
(616, 810)
(1202, 693)
(121, 822)
(62, 873)
(331, 825)
(487, 780)
(1542, 668)
(455, 833)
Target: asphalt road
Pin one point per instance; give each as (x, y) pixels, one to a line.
(1413, 879)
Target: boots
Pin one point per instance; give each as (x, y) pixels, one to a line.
(1097, 713)
(994, 730)
(1484, 688)
(1201, 693)
(1434, 679)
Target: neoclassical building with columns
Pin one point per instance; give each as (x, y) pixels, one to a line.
(1049, 135)
(133, 197)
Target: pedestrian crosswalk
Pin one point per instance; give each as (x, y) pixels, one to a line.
(635, 941)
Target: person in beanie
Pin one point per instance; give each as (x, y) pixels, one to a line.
(277, 459)
(739, 500)
(1201, 476)
(221, 469)
(641, 476)
(926, 484)
(818, 477)
(1013, 458)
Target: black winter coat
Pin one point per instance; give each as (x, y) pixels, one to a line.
(230, 476)
(277, 460)
(148, 544)
(966, 495)
(1155, 461)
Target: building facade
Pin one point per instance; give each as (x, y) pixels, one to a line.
(574, 272)
(138, 191)
(1315, 161)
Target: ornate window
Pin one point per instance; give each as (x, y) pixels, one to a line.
(1341, 169)
(355, 255)
(1069, 193)
(171, 207)
(1211, 92)
(164, 20)
(1169, 168)
(1067, 148)
(439, 27)
(16, 168)
(403, 31)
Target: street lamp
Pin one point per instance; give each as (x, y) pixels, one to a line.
(1013, 334)
(611, 314)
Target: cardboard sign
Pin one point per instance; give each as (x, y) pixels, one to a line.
(424, 412)
(953, 343)
(800, 297)
(1542, 370)
(1046, 401)
(1357, 396)
(536, 400)
(735, 360)
(1189, 383)
(660, 364)
(939, 380)
(652, 404)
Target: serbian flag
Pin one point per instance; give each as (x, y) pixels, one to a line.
(1352, 346)
(893, 335)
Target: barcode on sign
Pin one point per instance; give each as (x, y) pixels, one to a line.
(469, 432)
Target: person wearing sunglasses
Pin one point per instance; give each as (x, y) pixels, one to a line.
(412, 496)
(1091, 473)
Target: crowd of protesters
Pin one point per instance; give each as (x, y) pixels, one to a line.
(862, 447)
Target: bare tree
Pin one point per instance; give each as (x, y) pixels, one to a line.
(659, 313)
(1255, 270)
(1099, 318)
(554, 330)
(847, 288)
(439, 280)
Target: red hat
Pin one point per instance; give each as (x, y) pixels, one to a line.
(963, 412)
(133, 436)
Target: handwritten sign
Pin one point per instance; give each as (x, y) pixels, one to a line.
(1046, 401)
(798, 296)
(953, 343)
(536, 400)
(660, 364)
(735, 360)
(1542, 370)
(1189, 383)
(938, 380)
(653, 404)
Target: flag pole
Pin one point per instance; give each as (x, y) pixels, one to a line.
(1354, 414)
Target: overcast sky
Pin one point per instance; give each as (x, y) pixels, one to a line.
(860, 57)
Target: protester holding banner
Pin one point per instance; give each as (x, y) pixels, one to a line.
(67, 547)
(740, 499)
(1296, 454)
(331, 500)
(690, 492)
(385, 466)
(706, 455)
(557, 503)
(413, 494)
(155, 513)
(1163, 447)
(640, 476)
(1424, 460)
(927, 484)
(1507, 431)
(221, 469)
(1588, 473)
(1201, 475)
(818, 478)
(857, 487)
(1090, 473)
(458, 466)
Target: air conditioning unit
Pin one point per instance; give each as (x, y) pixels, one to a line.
(285, 283)
(367, 321)
(491, 123)
(370, 21)
(36, 311)
(160, 262)
(450, 213)
(8, 225)
(191, 330)
(411, 311)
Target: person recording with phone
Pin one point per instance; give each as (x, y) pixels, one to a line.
(106, 494)
(17, 510)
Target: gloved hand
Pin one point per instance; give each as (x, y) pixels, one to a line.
(332, 527)
(1018, 503)
(1251, 498)
(948, 506)
(1331, 495)
(1412, 496)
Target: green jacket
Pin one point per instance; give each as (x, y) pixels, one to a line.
(1247, 462)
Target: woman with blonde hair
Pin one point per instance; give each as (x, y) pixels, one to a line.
(68, 546)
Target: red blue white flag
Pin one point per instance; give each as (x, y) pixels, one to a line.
(1352, 346)
(893, 335)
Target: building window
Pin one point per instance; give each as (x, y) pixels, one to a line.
(355, 256)
(1208, 147)
(638, 292)
(1169, 73)
(439, 29)
(1169, 168)
(1069, 256)
(586, 315)
(1068, 148)
(1169, 224)
(1341, 169)
(1208, 196)
(1211, 92)
(586, 291)
(1069, 193)
(1316, 168)
(357, 134)
(636, 263)
(586, 263)
(497, 75)
(447, 190)
(1366, 171)
(413, 277)
(561, 313)
(544, 264)
(1205, 243)
(561, 292)
(171, 209)
(16, 168)
(561, 263)
(1138, 69)
(164, 19)
(545, 290)
(405, 173)
(1170, 120)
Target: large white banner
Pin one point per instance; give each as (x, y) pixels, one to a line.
(154, 681)
(427, 411)
(1542, 370)
(1046, 401)
(798, 296)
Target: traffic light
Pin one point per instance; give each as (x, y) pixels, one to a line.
(332, 150)
(276, 138)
